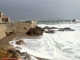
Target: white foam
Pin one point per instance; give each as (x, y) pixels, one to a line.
(58, 46)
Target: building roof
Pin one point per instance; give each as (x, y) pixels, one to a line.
(5, 17)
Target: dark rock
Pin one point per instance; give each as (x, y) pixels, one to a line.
(41, 29)
(15, 53)
(50, 31)
(10, 33)
(37, 31)
(46, 27)
(20, 42)
(41, 58)
(53, 28)
(26, 55)
(74, 20)
(18, 48)
(4, 53)
(65, 29)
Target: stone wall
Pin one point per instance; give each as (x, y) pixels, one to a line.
(2, 31)
(0, 19)
(16, 28)
(33, 24)
(22, 28)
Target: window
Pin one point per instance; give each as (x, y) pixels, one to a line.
(5, 20)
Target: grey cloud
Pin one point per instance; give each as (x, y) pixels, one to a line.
(0, 0)
(41, 9)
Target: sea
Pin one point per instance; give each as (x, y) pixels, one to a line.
(61, 45)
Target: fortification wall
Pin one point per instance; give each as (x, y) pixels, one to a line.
(33, 24)
(0, 19)
(16, 28)
(2, 31)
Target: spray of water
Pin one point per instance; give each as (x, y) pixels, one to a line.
(57, 46)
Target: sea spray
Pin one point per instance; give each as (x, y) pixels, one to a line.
(57, 46)
(35, 47)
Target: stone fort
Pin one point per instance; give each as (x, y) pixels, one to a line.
(19, 28)
(4, 18)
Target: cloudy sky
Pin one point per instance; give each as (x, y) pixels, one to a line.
(41, 9)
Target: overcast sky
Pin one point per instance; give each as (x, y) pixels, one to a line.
(41, 9)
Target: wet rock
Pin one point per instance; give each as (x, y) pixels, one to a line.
(37, 31)
(39, 58)
(18, 48)
(41, 29)
(25, 56)
(50, 31)
(4, 53)
(74, 20)
(10, 53)
(53, 28)
(20, 42)
(47, 27)
(66, 29)
(15, 53)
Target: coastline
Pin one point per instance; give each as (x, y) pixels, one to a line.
(4, 43)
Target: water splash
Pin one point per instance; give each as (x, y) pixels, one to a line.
(58, 46)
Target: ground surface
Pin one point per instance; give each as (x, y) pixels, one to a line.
(5, 41)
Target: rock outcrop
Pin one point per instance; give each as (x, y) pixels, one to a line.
(37, 31)
(15, 53)
(47, 27)
(66, 29)
(10, 53)
(20, 42)
(27, 56)
(50, 31)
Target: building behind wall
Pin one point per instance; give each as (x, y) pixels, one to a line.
(4, 18)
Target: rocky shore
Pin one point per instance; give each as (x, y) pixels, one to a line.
(8, 51)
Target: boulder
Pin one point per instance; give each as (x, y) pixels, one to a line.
(15, 53)
(37, 31)
(4, 53)
(66, 29)
(20, 42)
(10, 53)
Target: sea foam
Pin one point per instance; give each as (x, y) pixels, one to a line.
(57, 46)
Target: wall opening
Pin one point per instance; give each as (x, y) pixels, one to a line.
(4, 19)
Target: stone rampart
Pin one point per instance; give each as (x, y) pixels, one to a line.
(2, 31)
(16, 28)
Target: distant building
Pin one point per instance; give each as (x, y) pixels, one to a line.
(3, 18)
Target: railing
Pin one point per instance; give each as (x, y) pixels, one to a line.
(56, 21)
